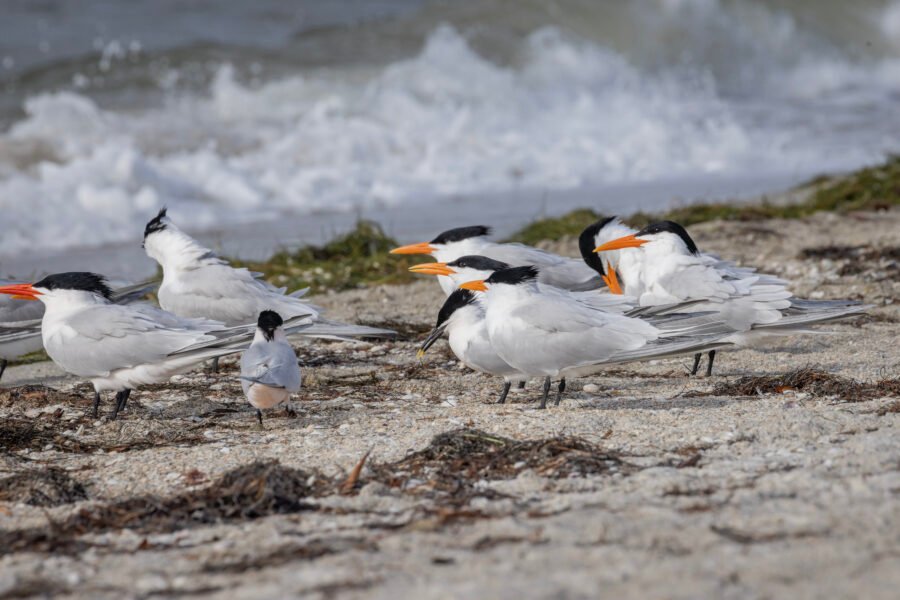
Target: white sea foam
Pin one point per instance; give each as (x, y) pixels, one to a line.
(448, 121)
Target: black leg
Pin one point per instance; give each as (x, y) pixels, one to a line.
(96, 404)
(697, 358)
(125, 399)
(259, 416)
(560, 390)
(215, 365)
(121, 399)
(3, 363)
(503, 394)
(712, 357)
(546, 392)
(521, 385)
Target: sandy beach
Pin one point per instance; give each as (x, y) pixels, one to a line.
(644, 482)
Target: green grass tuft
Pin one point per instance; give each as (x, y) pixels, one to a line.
(872, 188)
(355, 259)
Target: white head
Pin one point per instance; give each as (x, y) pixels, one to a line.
(165, 243)
(506, 282)
(63, 290)
(662, 237)
(460, 307)
(451, 244)
(463, 269)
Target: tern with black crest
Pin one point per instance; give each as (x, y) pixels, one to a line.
(559, 271)
(269, 369)
(20, 320)
(661, 264)
(197, 283)
(556, 336)
(122, 347)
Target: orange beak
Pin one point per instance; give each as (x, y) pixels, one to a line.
(432, 269)
(421, 248)
(20, 291)
(612, 280)
(629, 241)
(475, 286)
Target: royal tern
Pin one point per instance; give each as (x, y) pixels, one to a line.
(557, 336)
(462, 318)
(120, 347)
(662, 264)
(269, 369)
(559, 271)
(197, 283)
(20, 320)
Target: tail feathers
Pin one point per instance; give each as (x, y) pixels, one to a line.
(324, 328)
(662, 309)
(671, 347)
(795, 317)
(238, 337)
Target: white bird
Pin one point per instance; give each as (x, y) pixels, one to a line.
(559, 271)
(197, 283)
(661, 264)
(462, 318)
(556, 336)
(20, 320)
(121, 347)
(269, 369)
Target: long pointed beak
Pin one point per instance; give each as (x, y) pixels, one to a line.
(20, 291)
(629, 241)
(435, 268)
(420, 248)
(475, 286)
(434, 336)
(612, 280)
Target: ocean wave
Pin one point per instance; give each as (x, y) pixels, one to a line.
(567, 113)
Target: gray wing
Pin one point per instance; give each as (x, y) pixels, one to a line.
(106, 337)
(270, 363)
(233, 296)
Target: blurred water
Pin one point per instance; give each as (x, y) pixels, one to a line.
(296, 117)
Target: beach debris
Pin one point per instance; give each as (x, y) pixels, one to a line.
(817, 383)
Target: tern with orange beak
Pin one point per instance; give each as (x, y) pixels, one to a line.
(556, 336)
(662, 264)
(20, 320)
(121, 347)
(559, 271)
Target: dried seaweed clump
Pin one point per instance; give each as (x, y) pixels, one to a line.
(47, 487)
(31, 396)
(456, 461)
(817, 383)
(248, 492)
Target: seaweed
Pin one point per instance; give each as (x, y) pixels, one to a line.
(818, 383)
(248, 492)
(455, 462)
(48, 487)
